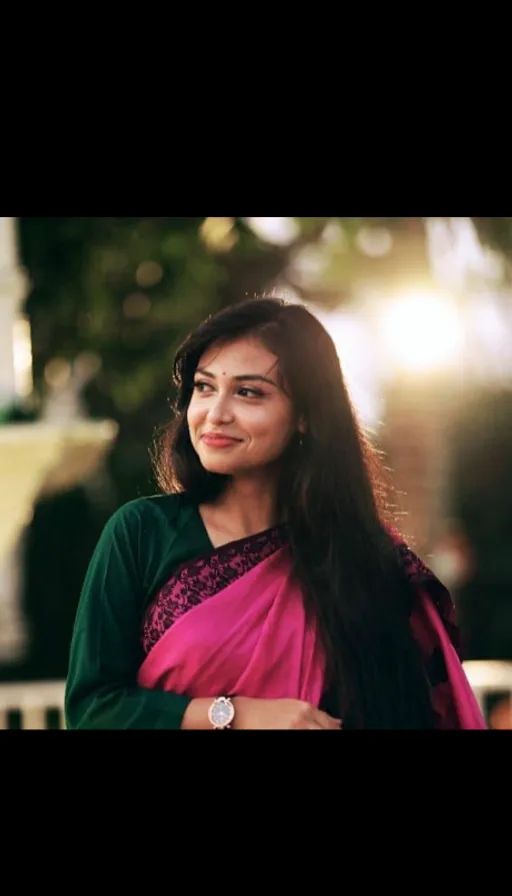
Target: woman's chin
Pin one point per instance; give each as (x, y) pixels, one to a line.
(223, 467)
(217, 466)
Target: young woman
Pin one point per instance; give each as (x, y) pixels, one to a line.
(263, 589)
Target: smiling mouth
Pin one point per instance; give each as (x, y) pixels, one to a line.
(217, 441)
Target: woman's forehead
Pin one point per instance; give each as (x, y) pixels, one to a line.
(239, 357)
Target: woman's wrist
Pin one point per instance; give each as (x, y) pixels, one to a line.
(242, 707)
(197, 715)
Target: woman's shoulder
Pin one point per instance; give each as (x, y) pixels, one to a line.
(411, 562)
(426, 585)
(152, 510)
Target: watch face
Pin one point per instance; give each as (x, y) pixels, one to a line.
(221, 713)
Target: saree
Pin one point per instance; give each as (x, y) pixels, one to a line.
(234, 622)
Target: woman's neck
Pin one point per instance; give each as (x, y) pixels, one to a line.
(245, 508)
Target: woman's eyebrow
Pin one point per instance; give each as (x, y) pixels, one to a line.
(245, 377)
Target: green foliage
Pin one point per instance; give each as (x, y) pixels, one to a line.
(129, 289)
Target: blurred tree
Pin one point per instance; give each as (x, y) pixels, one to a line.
(128, 289)
(481, 485)
(496, 233)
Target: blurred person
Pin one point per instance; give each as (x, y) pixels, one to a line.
(263, 588)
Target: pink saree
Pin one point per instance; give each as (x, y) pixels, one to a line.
(250, 639)
(233, 622)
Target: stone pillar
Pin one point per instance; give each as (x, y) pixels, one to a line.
(14, 288)
(15, 358)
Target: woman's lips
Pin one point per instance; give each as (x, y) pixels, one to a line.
(215, 441)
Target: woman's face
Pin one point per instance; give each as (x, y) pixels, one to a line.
(240, 419)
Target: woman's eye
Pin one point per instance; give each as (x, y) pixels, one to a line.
(251, 393)
(202, 387)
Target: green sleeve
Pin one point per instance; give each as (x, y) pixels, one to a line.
(101, 689)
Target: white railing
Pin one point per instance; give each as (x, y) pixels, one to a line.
(34, 700)
(489, 677)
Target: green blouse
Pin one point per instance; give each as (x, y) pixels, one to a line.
(140, 547)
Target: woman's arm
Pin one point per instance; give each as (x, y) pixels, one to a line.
(106, 651)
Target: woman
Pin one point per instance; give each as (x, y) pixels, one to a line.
(263, 589)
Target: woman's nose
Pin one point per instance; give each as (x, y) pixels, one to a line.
(219, 411)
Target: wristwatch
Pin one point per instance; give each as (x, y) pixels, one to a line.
(221, 713)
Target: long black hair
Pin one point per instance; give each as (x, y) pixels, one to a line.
(333, 495)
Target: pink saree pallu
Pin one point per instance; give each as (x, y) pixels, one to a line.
(252, 638)
(434, 628)
(453, 698)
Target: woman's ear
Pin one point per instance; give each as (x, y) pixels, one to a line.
(302, 426)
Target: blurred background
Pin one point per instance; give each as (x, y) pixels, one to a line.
(91, 313)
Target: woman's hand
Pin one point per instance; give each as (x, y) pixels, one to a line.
(283, 715)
